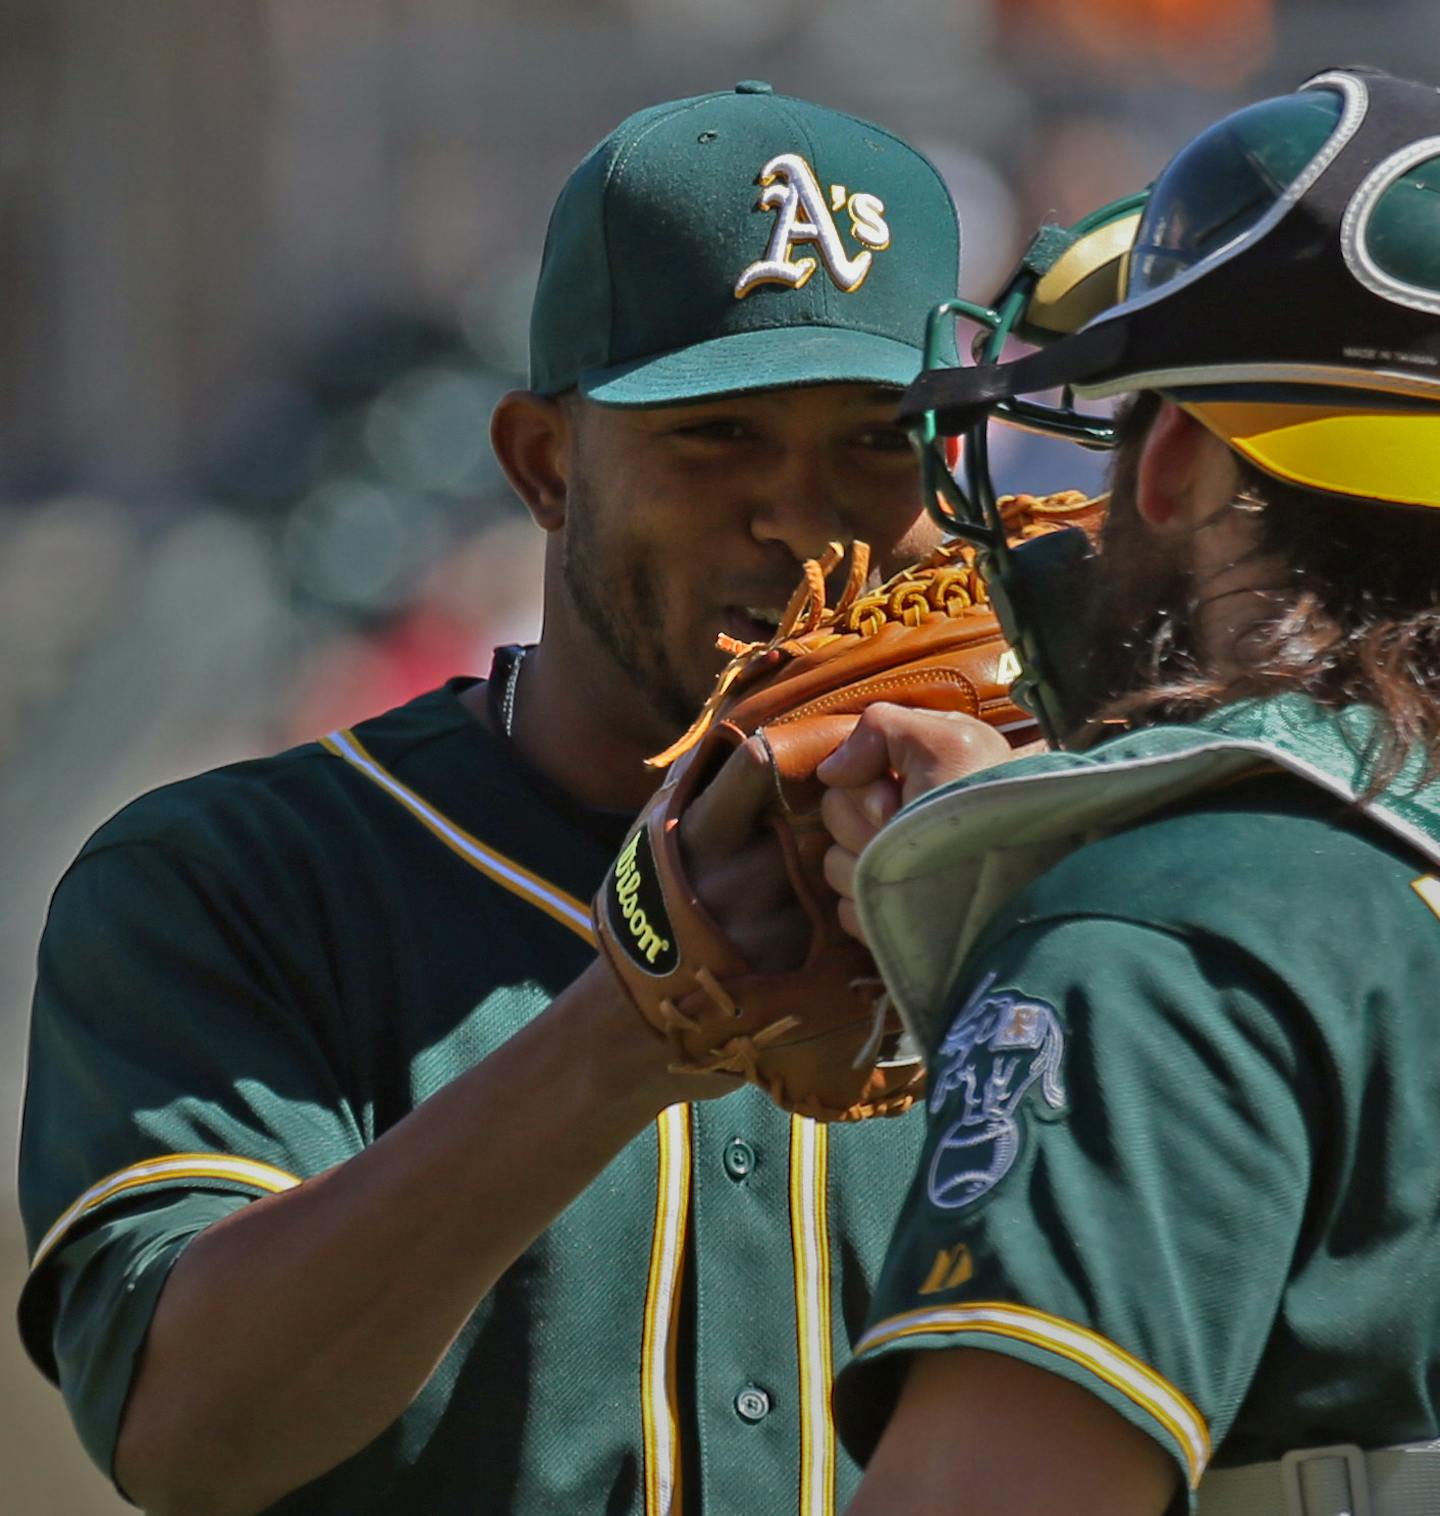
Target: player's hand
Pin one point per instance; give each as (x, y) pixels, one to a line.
(894, 755)
(736, 867)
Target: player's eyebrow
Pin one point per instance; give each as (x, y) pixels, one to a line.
(884, 394)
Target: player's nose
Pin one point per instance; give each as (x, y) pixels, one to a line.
(798, 504)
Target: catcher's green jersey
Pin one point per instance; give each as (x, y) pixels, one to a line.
(1184, 1122)
(249, 976)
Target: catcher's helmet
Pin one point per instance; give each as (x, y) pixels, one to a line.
(1289, 256)
(1283, 285)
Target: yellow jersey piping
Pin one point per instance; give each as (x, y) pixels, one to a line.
(1427, 887)
(505, 872)
(260, 1176)
(810, 1237)
(1154, 1394)
(658, 1407)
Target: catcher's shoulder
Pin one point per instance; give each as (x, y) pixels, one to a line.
(1238, 861)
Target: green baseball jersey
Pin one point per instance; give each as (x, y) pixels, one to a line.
(1184, 1110)
(249, 976)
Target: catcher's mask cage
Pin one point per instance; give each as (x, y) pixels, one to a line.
(1066, 276)
(1332, 189)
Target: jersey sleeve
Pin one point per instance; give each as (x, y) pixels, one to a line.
(184, 1061)
(1113, 1181)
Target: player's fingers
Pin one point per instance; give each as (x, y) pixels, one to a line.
(930, 748)
(727, 808)
(852, 817)
(839, 868)
(850, 921)
(921, 748)
(878, 801)
(864, 756)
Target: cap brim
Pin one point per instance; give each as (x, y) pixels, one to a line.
(776, 358)
(1388, 454)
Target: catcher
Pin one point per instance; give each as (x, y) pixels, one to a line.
(1172, 1243)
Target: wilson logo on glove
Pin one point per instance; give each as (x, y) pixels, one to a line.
(637, 909)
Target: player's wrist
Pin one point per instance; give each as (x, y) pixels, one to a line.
(626, 1063)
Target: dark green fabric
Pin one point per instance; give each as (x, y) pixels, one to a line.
(277, 961)
(1238, 1185)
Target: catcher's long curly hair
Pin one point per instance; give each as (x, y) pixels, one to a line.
(1356, 619)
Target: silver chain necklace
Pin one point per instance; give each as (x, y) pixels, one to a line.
(507, 700)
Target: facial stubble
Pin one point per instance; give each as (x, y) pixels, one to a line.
(618, 597)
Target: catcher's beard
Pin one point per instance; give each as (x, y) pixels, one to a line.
(1140, 602)
(620, 604)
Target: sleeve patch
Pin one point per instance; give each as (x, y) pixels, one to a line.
(1002, 1045)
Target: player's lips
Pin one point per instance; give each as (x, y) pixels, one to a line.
(754, 605)
(751, 623)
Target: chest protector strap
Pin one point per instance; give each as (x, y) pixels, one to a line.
(1332, 1481)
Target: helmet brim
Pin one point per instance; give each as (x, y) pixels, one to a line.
(1387, 454)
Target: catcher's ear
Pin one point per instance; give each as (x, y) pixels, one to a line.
(1185, 472)
(530, 434)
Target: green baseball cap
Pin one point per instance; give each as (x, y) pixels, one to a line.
(740, 241)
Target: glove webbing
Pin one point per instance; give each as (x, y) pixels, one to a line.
(949, 582)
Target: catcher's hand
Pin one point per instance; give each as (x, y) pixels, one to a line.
(813, 1027)
(893, 756)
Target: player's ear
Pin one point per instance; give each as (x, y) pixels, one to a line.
(1185, 472)
(530, 434)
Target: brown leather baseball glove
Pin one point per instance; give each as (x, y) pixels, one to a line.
(819, 1037)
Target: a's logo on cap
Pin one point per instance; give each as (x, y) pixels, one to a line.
(804, 215)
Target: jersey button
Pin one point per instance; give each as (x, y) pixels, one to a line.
(752, 1403)
(739, 1159)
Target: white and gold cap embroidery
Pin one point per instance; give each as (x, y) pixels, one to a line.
(805, 216)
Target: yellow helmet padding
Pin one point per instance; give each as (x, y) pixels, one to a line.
(1375, 454)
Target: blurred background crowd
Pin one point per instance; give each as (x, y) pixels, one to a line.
(267, 263)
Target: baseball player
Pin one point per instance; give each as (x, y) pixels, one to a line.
(1174, 1240)
(353, 1181)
